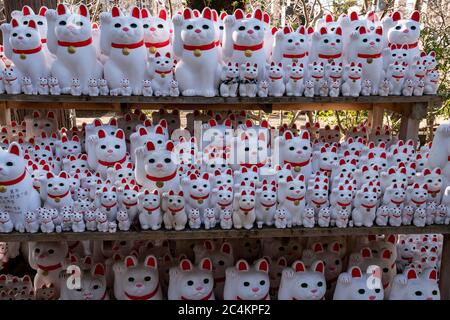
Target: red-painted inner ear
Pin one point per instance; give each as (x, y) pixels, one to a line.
(186, 265)
(129, 262)
(242, 266)
(356, 272)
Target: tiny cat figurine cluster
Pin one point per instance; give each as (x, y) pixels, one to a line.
(206, 54)
(368, 268)
(129, 173)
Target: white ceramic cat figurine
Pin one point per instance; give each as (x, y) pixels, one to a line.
(22, 45)
(248, 85)
(147, 90)
(316, 74)
(70, 40)
(352, 83)
(294, 85)
(53, 83)
(11, 79)
(245, 282)
(174, 213)
(397, 73)
(27, 86)
(174, 90)
(197, 70)
(6, 224)
(244, 209)
(230, 80)
(366, 88)
(291, 46)
(75, 87)
(275, 74)
(408, 88)
(55, 191)
(349, 285)
(309, 88)
(103, 87)
(163, 76)
(93, 284)
(149, 207)
(431, 82)
(17, 186)
(327, 46)
(43, 88)
(122, 40)
(244, 39)
(93, 90)
(414, 286)
(189, 282)
(157, 32)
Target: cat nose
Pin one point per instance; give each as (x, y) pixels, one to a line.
(313, 290)
(333, 44)
(372, 43)
(297, 43)
(405, 31)
(125, 29)
(152, 29)
(110, 151)
(199, 288)
(255, 289)
(159, 165)
(250, 31)
(372, 298)
(138, 285)
(198, 30)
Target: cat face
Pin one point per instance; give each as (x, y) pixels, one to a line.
(47, 253)
(92, 286)
(140, 279)
(298, 283)
(156, 28)
(73, 27)
(126, 29)
(149, 199)
(38, 123)
(12, 164)
(111, 148)
(428, 60)
(57, 185)
(414, 286)
(231, 70)
(24, 37)
(198, 30)
(405, 31)
(108, 195)
(129, 194)
(353, 285)
(317, 69)
(276, 70)
(163, 63)
(175, 201)
(222, 178)
(295, 42)
(354, 70)
(125, 171)
(249, 71)
(159, 161)
(249, 283)
(92, 82)
(73, 163)
(370, 42)
(193, 283)
(296, 148)
(398, 69)
(268, 195)
(69, 147)
(40, 20)
(248, 31)
(329, 42)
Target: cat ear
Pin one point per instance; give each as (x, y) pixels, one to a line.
(356, 272)
(151, 262)
(32, 24)
(186, 265)
(379, 31)
(150, 146)
(318, 266)
(187, 14)
(207, 13)
(239, 14)
(323, 30)
(14, 23)
(169, 145)
(396, 16)
(162, 14)
(362, 30)
(258, 14)
(136, 13)
(119, 134)
(299, 266)
(99, 269)
(206, 264)
(15, 149)
(242, 265)
(131, 261)
(226, 248)
(411, 274)
(145, 13)
(101, 133)
(262, 265)
(63, 175)
(329, 18)
(83, 11)
(415, 16)
(353, 16)
(339, 31)
(61, 9)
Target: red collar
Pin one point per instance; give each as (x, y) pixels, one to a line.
(434, 81)
(163, 72)
(249, 165)
(207, 297)
(298, 164)
(247, 78)
(200, 198)
(110, 206)
(368, 207)
(251, 48)
(148, 296)
(151, 209)
(111, 164)
(420, 76)
(396, 202)
(295, 56)
(200, 47)
(398, 77)
(174, 211)
(128, 45)
(17, 180)
(1, 222)
(319, 203)
(246, 210)
(75, 44)
(369, 56)
(448, 158)
(268, 205)
(317, 77)
(296, 78)
(355, 78)
(224, 204)
(28, 51)
(335, 77)
(53, 196)
(344, 204)
(418, 202)
(129, 204)
(49, 268)
(263, 298)
(330, 56)
(157, 44)
(295, 199)
(410, 45)
(166, 178)
(276, 78)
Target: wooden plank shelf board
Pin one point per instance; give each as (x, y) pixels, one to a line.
(396, 103)
(219, 233)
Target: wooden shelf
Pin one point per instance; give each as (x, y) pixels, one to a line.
(395, 103)
(219, 233)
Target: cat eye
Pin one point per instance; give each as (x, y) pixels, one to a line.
(205, 26)
(325, 41)
(361, 291)
(221, 263)
(190, 283)
(221, 28)
(28, 35)
(336, 262)
(385, 270)
(148, 278)
(9, 164)
(338, 40)
(40, 23)
(79, 289)
(418, 293)
(206, 281)
(305, 148)
(167, 160)
(291, 148)
(377, 290)
(95, 287)
(62, 23)
(257, 28)
(25, 22)
(413, 28)
(304, 285)
(50, 185)
(246, 284)
(262, 282)
(130, 279)
(377, 39)
(434, 292)
(133, 25)
(103, 147)
(117, 146)
(79, 23)
(151, 160)
(37, 250)
(51, 251)
(15, 35)
(117, 25)
(145, 26)
(320, 284)
(365, 40)
(398, 27)
(241, 28)
(190, 27)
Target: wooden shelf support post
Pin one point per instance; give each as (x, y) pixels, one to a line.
(444, 281)
(5, 114)
(409, 127)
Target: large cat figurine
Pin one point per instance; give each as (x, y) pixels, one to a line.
(197, 71)
(70, 39)
(327, 46)
(16, 186)
(244, 39)
(157, 32)
(23, 47)
(291, 46)
(122, 40)
(404, 32)
(92, 284)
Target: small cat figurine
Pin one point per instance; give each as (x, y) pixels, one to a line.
(43, 88)
(163, 76)
(277, 87)
(10, 79)
(385, 87)
(27, 87)
(103, 87)
(230, 79)
(352, 84)
(248, 85)
(75, 88)
(366, 88)
(294, 85)
(263, 89)
(54, 86)
(147, 90)
(93, 88)
(309, 89)
(174, 91)
(125, 88)
(408, 88)
(149, 210)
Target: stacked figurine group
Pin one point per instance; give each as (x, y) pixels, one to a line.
(208, 54)
(360, 268)
(234, 173)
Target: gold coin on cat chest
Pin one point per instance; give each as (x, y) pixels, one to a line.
(297, 202)
(152, 50)
(71, 49)
(125, 51)
(159, 184)
(200, 201)
(163, 75)
(369, 60)
(23, 56)
(57, 200)
(297, 168)
(197, 52)
(45, 273)
(3, 189)
(248, 53)
(330, 60)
